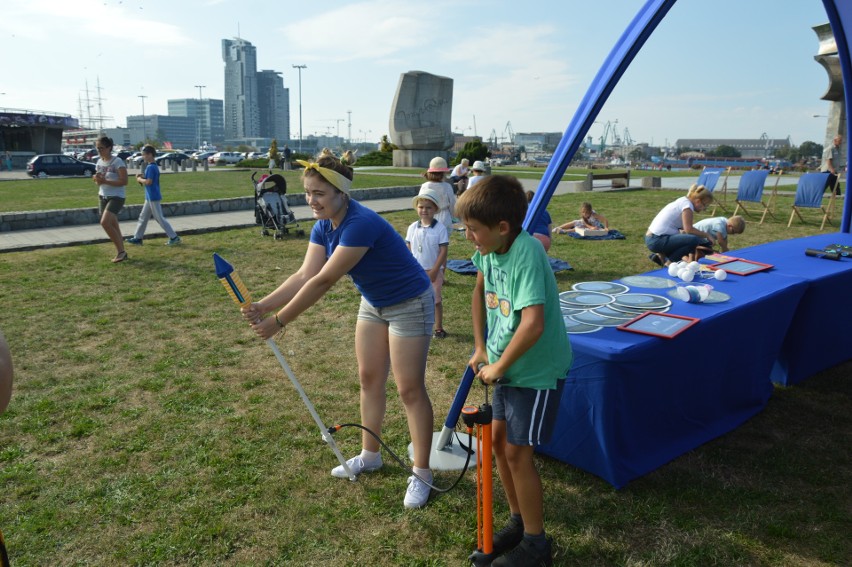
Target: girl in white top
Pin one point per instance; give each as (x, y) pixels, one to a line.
(446, 197)
(111, 179)
(672, 235)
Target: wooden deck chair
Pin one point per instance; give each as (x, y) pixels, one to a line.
(710, 178)
(751, 190)
(809, 195)
(773, 197)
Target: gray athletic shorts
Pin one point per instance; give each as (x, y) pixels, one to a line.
(529, 414)
(410, 318)
(111, 204)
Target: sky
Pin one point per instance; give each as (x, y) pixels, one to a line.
(712, 68)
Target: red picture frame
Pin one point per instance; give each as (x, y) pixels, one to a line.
(658, 324)
(741, 267)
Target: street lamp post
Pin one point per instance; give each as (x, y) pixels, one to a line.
(144, 126)
(198, 113)
(300, 67)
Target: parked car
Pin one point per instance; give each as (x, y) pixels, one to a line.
(225, 157)
(179, 157)
(201, 157)
(89, 155)
(138, 159)
(58, 164)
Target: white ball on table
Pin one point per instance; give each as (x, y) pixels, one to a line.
(720, 275)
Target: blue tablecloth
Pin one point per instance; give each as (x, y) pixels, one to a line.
(820, 335)
(634, 402)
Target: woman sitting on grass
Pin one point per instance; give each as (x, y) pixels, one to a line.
(672, 235)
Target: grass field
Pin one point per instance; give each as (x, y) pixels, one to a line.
(149, 426)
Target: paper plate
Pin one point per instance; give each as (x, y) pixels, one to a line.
(567, 310)
(592, 318)
(644, 301)
(611, 288)
(607, 311)
(586, 299)
(634, 311)
(573, 327)
(714, 297)
(651, 282)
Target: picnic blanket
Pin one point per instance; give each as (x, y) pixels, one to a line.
(466, 266)
(611, 235)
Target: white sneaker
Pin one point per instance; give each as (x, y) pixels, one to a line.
(417, 493)
(357, 466)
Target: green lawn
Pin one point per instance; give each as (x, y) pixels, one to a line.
(149, 426)
(78, 192)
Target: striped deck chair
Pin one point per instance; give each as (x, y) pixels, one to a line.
(710, 178)
(809, 195)
(750, 190)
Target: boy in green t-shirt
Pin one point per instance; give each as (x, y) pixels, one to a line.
(516, 295)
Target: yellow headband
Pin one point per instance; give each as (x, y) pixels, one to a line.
(335, 178)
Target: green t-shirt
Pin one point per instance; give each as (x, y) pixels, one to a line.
(520, 278)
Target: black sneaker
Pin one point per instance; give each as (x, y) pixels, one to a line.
(656, 258)
(526, 555)
(509, 537)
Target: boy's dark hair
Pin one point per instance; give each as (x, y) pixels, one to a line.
(149, 150)
(496, 198)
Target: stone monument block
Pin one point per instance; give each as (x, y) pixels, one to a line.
(420, 118)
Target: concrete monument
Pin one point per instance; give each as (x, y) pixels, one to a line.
(828, 58)
(420, 118)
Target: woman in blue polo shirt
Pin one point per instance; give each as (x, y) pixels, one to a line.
(394, 320)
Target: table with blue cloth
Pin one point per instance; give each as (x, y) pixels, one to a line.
(634, 402)
(821, 331)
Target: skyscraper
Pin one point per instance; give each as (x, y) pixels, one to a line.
(242, 118)
(273, 102)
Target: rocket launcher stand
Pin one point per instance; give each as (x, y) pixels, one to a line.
(237, 290)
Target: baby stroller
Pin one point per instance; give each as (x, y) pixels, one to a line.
(270, 206)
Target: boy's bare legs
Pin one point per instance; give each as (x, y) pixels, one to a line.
(439, 316)
(520, 479)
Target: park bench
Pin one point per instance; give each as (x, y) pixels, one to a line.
(616, 179)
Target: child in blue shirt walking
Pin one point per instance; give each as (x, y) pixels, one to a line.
(153, 201)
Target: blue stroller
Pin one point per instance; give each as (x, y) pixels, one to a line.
(271, 210)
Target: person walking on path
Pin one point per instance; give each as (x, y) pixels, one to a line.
(150, 179)
(111, 179)
(285, 161)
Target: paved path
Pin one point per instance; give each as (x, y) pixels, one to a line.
(20, 240)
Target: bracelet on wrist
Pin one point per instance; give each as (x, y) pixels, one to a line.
(277, 320)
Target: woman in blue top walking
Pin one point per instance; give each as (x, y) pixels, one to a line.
(394, 320)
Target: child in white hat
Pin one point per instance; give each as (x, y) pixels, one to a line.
(435, 180)
(429, 240)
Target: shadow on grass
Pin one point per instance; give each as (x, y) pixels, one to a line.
(759, 495)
